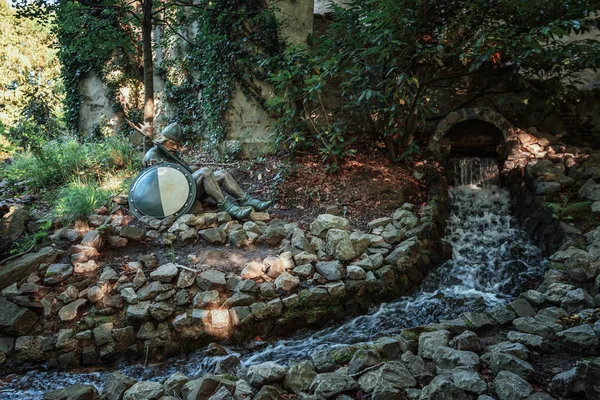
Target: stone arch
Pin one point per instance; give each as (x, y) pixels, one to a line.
(439, 145)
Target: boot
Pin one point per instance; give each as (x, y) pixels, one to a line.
(235, 211)
(258, 205)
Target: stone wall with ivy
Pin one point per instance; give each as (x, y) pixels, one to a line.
(210, 75)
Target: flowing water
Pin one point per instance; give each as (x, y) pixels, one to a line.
(492, 262)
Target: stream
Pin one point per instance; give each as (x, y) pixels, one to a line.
(493, 261)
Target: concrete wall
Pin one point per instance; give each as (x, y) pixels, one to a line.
(95, 105)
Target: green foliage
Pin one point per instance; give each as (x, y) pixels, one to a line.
(392, 64)
(31, 240)
(566, 212)
(79, 199)
(93, 38)
(235, 46)
(30, 86)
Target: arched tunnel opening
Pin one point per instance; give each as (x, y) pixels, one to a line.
(474, 154)
(474, 138)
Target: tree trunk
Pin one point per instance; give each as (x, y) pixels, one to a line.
(148, 70)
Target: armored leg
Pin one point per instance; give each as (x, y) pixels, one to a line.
(208, 184)
(230, 186)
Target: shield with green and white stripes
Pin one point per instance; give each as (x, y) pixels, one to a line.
(161, 190)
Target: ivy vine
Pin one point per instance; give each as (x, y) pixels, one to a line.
(229, 45)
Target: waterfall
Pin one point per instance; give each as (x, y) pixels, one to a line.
(477, 171)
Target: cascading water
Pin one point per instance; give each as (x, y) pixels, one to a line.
(492, 261)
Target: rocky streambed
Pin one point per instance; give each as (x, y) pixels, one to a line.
(493, 260)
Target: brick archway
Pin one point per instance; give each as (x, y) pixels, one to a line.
(439, 145)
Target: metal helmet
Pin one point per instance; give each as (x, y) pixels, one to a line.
(172, 131)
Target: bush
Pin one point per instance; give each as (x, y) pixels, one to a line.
(79, 199)
(60, 161)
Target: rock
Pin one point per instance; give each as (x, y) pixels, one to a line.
(590, 191)
(331, 384)
(165, 273)
(355, 273)
(20, 268)
(388, 347)
(581, 338)
(330, 270)
(509, 386)
(213, 235)
(430, 341)
(543, 327)
(534, 297)
(262, 311)
(501, 361)
(479, 321)
(447, 358)
(299, 377)
(211, 280)
(92, 239)
(223, 394)
(160, 311)
(442, 388)
(469, 380)
(117, 241)
(274, 266)
(116, 385)
(87, 267)
(132, 232)
(229, 364)
(380, 222)
(144, 391)
(403, 249)
(362, 360)
(534, 342)
(339, 245)
(546, 188)
(69, 312)
(576, 300)
(564, 382)
(138, 313)
(467, 341)
(129, 295)
(252, 270)
(304, 271)
(287, 282)
(57, 273)
(73, 392)
(174, 384)
(522, 308)
(186, 279)
(209, 298)
(203, 388)
(15, 320)
(95, 294)
(391, 380)
(502, 314)
(324, 222)
(273, 235)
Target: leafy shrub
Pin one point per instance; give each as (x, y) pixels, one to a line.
(79, 199)
(59, 161)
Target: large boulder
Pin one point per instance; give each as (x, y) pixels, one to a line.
(509, 386)
(116, 385)
(144, 391)
(325, 222)
(12, 225)
(331, 384)
(14, 319)
(22, 267)
(299, 377)
(264, 373)
(73, 392)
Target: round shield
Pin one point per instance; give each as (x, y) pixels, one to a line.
(161, 190)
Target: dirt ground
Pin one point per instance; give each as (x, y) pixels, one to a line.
(367, 187)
